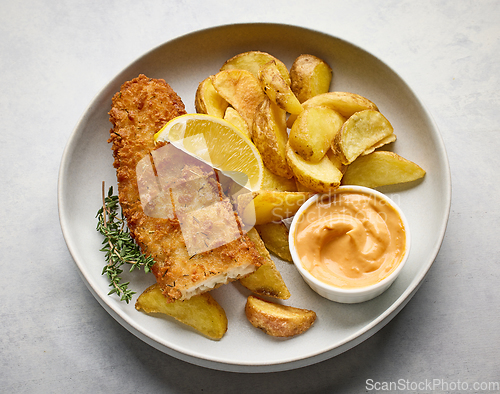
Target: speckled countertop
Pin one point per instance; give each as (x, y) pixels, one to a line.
(56, 56)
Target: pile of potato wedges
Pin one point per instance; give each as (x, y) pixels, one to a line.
(311, 140)
(304, 132)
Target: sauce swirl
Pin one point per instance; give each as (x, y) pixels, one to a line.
(350, 239)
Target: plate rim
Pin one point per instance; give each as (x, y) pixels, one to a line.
(353, 340)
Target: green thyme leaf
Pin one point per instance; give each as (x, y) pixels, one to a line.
(119, 246)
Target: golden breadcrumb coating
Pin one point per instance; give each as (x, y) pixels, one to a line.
(141, 107)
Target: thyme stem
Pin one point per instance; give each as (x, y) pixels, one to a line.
(119, 246)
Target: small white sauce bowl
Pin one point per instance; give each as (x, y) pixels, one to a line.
(349, 295)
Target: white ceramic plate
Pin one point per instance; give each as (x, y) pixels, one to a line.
(183, 63)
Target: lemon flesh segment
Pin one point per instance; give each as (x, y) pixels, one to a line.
(217, 143)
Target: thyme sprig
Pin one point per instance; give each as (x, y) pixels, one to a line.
(119, 246)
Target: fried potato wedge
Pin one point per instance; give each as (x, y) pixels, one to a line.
(275, 238)
(270, 135)
(361, 131)
(345, 103)
(278, 320)
(381, 168)
(312, 133)
(242, 90)
(310, 76)
(200, 312)
(266, 280)
(253, 60)
(277, 89)
(233, 117)
(381, 143)
(320, 177)
(271, 181)
(265, 206)
(208, 101)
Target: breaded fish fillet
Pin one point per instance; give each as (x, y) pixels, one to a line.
(141, 107)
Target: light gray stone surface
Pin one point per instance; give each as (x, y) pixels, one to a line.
(56, 56)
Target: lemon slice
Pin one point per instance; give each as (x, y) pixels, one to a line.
(217, 143)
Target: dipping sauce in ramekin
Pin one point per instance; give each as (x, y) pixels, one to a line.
(350, 245)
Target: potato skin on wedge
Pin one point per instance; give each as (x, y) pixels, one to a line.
(252, 61)
(275, 237)
(278, 320)
(201, 312)
(266, 280)
(381, 168)
(277, 89)
(319, 177)
(310, 76)
(269, 134)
